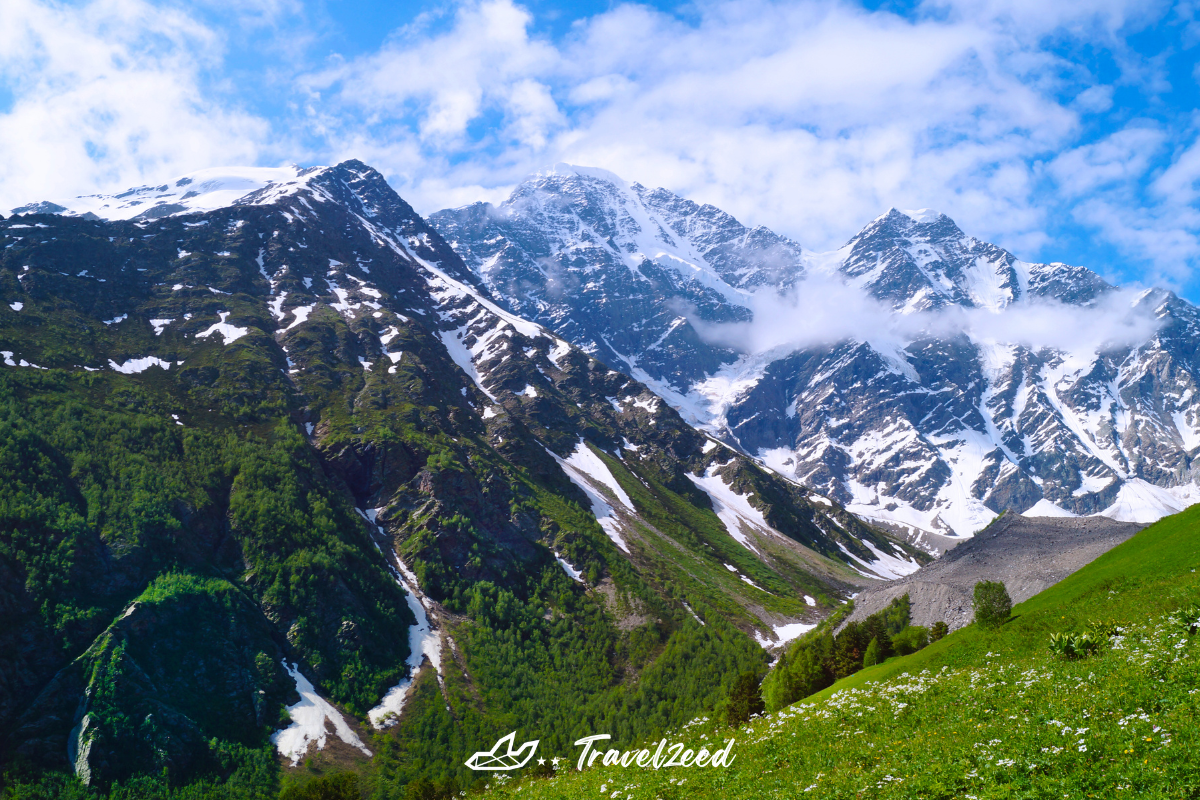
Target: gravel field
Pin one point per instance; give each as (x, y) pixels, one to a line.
(1026, 553)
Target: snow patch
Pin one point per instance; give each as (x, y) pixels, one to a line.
(1188, 434)
(196, 192)
(1141, 501)
(885, 565)
(560, 351)
(572, 573)
(136, 365)
(784, 634)
(301, 314)
(585, 460)
(423, 642)
(1044, 508)
(461, 356)
(733, 509)
(310, 717)
(228, 332)
(276, 306)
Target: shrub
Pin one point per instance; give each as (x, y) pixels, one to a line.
(993, 606)
(910, 640)
(938, 631)
(1071, 646)
(871, 657)
(1189, 618)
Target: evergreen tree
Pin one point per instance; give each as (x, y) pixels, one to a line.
(338, 786)
(745, 700)
(871, 657)
(939, 630)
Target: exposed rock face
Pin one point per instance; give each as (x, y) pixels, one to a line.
(1027, 555)
(935, 430)
(621, 271)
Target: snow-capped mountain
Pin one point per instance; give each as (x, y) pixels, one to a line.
(397, 492)
(973, 400)
(203, 190)
(621, 271)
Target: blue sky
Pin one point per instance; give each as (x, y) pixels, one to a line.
(1062, 131)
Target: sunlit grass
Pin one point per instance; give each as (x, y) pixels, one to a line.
(981, 714)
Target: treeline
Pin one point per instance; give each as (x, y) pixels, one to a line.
(817, 660)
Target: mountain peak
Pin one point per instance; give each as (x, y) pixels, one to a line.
(906, 219)
(922, 216)
(196, 192)
(563, 169)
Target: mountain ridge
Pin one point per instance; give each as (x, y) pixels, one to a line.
(982, 426)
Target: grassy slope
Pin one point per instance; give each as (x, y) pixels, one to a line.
(983, 714)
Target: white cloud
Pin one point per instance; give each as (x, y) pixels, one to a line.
(1119, 158)
(438, 84)
(108, 94)
(807, 117)
(822, 310)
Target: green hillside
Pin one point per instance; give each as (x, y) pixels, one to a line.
(224, 436)
(982, 713)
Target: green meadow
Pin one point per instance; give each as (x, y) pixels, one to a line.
(980, 713)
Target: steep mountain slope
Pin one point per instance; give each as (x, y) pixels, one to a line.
(265, 429)
(942, 411)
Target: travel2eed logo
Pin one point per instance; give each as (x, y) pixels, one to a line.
(503, 757)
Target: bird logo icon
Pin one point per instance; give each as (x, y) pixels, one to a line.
(502, 756)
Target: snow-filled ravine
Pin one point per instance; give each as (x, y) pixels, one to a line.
(424, 642)
(733, 509)
(310, 720)
(785, 633)
(588, 472)
(885, 565)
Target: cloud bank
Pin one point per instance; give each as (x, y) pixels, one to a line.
(822, 310)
